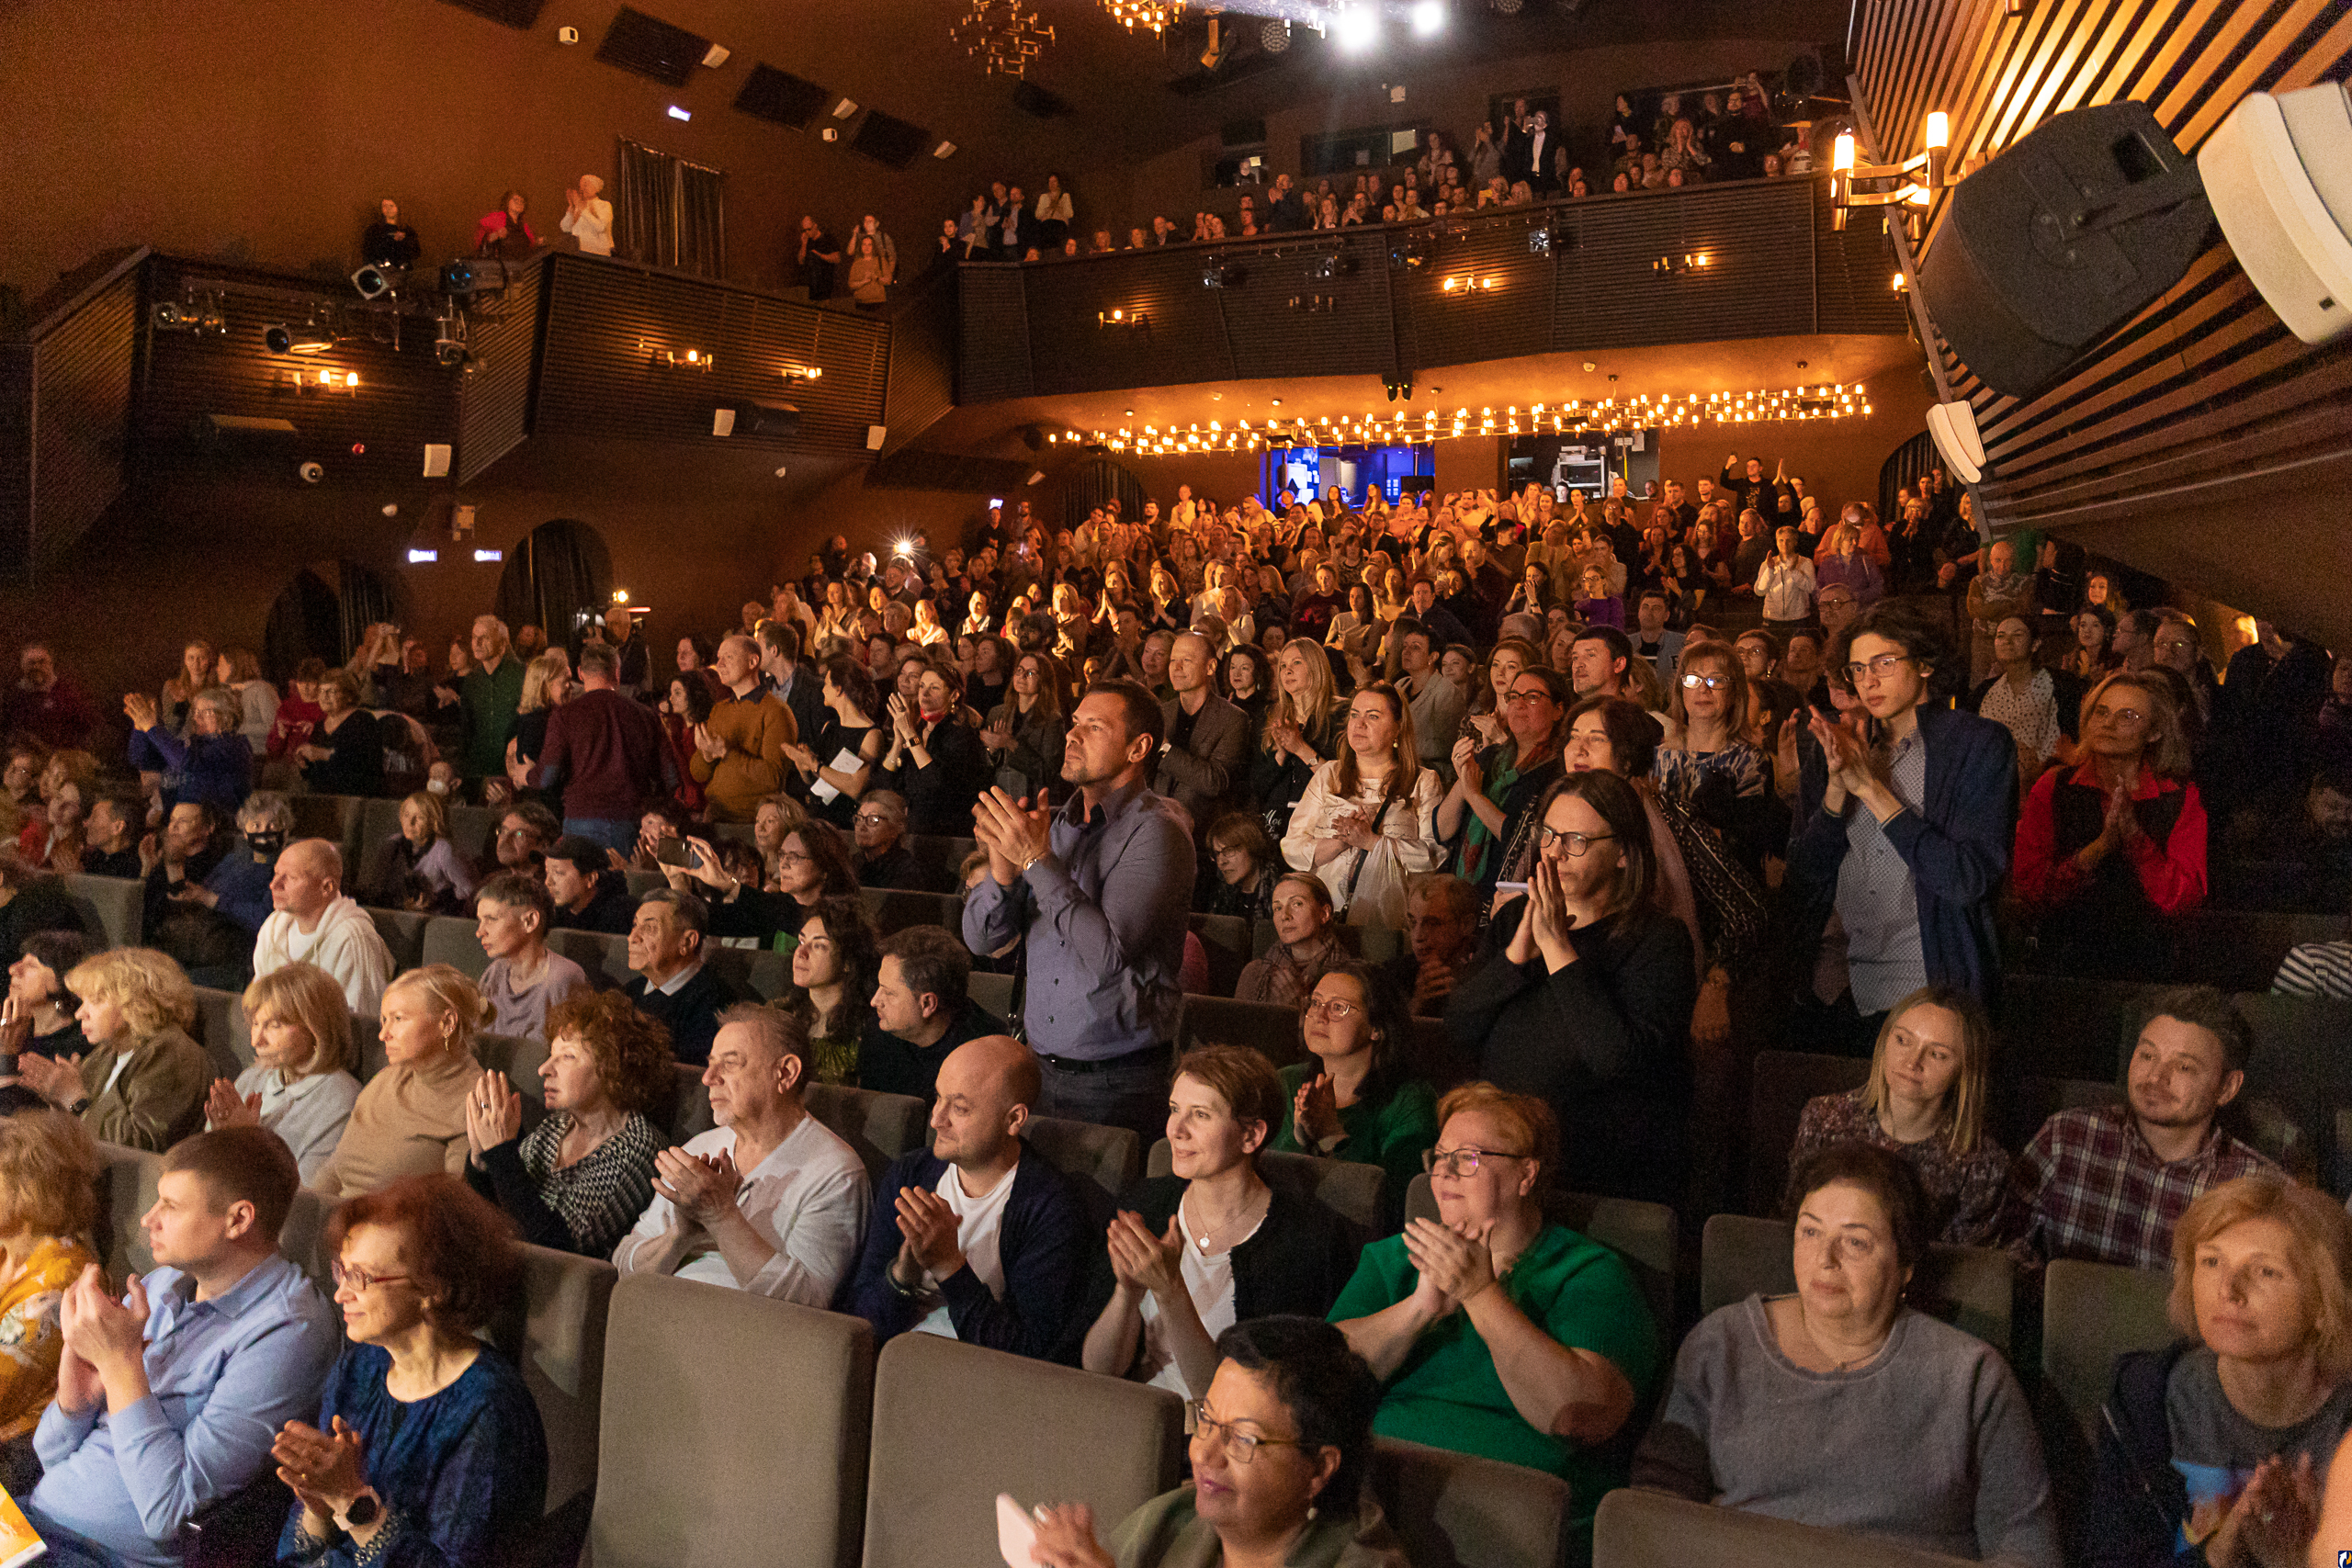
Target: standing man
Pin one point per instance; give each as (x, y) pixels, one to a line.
(588, 217)
(820, 255)
(1599, 658)
(793, 682)
(739, 754)
(621, 626)
(606, 753)
(487, 699)
(1098, 894)
(1436, 703)
(1206, 735)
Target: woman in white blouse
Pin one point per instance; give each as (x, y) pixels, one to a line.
(2027, 698)
(1368, 821)
(297, 1087)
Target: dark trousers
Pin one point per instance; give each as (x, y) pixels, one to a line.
(1128, 1094)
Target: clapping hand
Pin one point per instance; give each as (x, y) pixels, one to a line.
(98, 1329)
(1143, 1262)
(710, 746)
(326, 1471)
(2273, 1521)
(1456, 1264)
(1465, 764)
(927, 1229)
(493, 1113)
(55, 1078)
(140, 709)
(1315, 1111)
(702, 1187)
(1008, 831)
(1354, 827)
(902, 719)
(224, 1107)
(16, 1028)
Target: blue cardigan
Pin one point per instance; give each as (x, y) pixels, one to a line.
(215, 769)
(1042, 1246)
(1957, 844)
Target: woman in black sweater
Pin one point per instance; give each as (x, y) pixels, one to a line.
(345, 752)
(1194, 1252)
(1583, 995)
(935, 759)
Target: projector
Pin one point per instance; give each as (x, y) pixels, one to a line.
(2279, 175)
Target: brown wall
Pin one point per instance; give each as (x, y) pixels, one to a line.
(1837, 459)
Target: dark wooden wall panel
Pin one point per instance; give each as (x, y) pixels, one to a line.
(1340, 324)
(494, 401)
(923, 362)
(81, 411)
(1184, 338)
(993, 354)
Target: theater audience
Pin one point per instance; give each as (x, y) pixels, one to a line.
(2040, 707)
(579, 1180)
(812, 863)
(525, 831)
(31, 901)
(44, 706)
(836, 965)
(674, 987)
(880, 830)
(1288, 1421)
(588, 892)
(142, 1084)
(1305, 943)
(1494, 1331)
(2109, 853)
(345, 753)
(1926, 1100)
(1840, 1407)
(1495, 788)
(1303, 730)
(2105, 1183)
(2221, 1441)
(1584, 995)
(1355, 1097)
(605, 751)
(523, 982)
(237, 1340)
(1368, 821)
(211, 763)
(978, 1238)
(298, 1086)
(487, 696)
(315, 922)
(409, 1119)
(37, 1017)
(418, 868)
(428, 1449)
(1025, 733)
(110, 837)
(205, 900)
(49, 1202)
(769, 1201)
(921, 1012)
(842, 759)
(1207, 737)
(1248, 869)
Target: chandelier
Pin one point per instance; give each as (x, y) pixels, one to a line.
(1155, 15)
(1006, 37)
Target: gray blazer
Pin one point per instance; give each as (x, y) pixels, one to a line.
(1200, 777)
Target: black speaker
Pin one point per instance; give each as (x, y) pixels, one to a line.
(2058, 240)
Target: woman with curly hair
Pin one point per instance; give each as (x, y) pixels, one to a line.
(49, 1199)
(583, 1176)
(142, 1083)
(835, 967)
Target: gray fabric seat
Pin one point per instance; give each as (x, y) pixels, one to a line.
(1270, 1030)
(111, 908)
(1649, 1530)
(1457, 1510)
(1105, 1161)
(1780, 1084)
(1106, 1442)
(450, 938)
(879, 1126)
(558, 1343)
(2092, 1313)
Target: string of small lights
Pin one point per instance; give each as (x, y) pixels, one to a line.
(1154, 15)
(1402, 428)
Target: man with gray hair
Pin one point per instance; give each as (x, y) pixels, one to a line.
(313, 922)
(674, 987)
(489, 698)
(1207, 737)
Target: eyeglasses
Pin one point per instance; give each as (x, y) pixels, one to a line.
(359, 1279)
(874, 816)
(1331, 1008)
(1574, 843)
(2119, 716)
(1882, 667)
(792, 857)
(1462, 1161)
(1243, 1446)
(1537, 695)
(1712, 682)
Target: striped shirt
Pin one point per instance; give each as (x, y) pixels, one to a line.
(2316, 969)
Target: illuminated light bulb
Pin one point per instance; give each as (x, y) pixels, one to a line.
(1938, 129)
(1842, 159)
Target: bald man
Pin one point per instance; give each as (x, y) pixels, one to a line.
(313, 922)
(978, 1238)
(1205, 751)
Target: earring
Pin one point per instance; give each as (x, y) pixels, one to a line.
(1310, 1513)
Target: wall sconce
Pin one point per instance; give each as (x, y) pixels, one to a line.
(1121, 318)
(1901, 286)
(343, 381)
(689, 359)
(1313, 303)
(1689, 261)
(1470, 285)
(802, 372)
(1909, 186)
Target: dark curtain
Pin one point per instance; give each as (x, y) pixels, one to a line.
(364, 601)
(1097, 482)
(304, 621)
(559, 569)
(668, 212)
(1909, 464)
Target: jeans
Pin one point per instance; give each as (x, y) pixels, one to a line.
(1132, 1095)
(612, 832)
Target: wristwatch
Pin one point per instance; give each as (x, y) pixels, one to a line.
(362, 1510)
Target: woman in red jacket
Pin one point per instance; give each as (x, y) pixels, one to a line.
(2108, 850)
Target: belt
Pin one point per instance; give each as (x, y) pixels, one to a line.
(1102, 1063)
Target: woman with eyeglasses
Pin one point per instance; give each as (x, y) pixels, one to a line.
(428, 1448)
(2110, 851)
(1026, 732)
(1354, 1099)
(813, 865)
(1903, 831)
(1248, 866)
(1368, 821)
(1210, 1243)
(1279, 1451)
(1710, 766)
(1493, 1331)
(1495, 787)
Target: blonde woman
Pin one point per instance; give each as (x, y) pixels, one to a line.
(142, 1085)
(49, 1200)
(298, 1086)
(1925, 1099)
(1301, 732)
(410, 1119)
(1368, 821)
(241, 672)
(546, 681)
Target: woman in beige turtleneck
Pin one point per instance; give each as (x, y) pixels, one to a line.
(411, 1118)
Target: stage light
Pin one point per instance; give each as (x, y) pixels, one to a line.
(283, 339)
(1429, 19)
(678, 113)
(1357, 29)
(459, 277)
(372, 280)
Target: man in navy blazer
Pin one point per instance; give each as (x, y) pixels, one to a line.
(1905, 834)
(978, 1238)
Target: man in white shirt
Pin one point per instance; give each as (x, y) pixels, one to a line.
(588, 217)
(978, 1238)
(771, 1200)
(314, 923)
(523, 980)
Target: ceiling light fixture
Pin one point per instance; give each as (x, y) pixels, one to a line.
(1006, 37)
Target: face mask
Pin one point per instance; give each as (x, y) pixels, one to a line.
(265, 844)
(437, 786)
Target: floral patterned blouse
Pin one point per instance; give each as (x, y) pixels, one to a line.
(1964, 1191)
(30, 1338)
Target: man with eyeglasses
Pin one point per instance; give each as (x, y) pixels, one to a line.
(1905, 836)
(47, 705)
(524, 835)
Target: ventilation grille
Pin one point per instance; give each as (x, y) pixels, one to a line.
(652, 47)
(888, 140)
(513, 13)
(1032, 99)
(781, 98)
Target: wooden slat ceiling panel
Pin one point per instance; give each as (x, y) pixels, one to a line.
(81, 411)
(2208, 354)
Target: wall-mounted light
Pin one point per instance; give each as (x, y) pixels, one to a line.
(1121, 317)
(483, 557)
(676, 112)
(944, 149)
(620, 595)
(1468, 283)
(1689, 261)
(344, 381)
(678, 359)
(1899, 285)
(802, 372)
(844, 108)
(1908, 186)
(423, 558)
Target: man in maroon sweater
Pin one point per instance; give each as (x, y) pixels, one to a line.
(607, 754)
(48, 707)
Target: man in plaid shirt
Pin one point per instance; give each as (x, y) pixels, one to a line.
(2105, 1184)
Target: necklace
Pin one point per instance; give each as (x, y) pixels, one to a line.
(1207, 1240)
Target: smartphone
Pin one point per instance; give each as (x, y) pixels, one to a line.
(678, 852)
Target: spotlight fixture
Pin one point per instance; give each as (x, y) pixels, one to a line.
(374, 282)
(280, 338)
(679, 112)
(449, 350)
(190, 316)
(459, 278)
(1121, 317)
(1429, 19)
(1357, 29)
(802, 372)
(1907, 186)
(1468, 283)
(1274, 36)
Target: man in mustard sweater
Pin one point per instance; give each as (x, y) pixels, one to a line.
(738, 755)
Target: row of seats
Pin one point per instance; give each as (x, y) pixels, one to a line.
(2236, 950)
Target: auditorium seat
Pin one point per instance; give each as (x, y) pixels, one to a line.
(519, 1056)
(879, 1126)
(1644, 1235)
(1457, 1510)
(734, 1430)
(1971, 1288)
(686, 1110)
(640, 883)
(1781, 1082)
(473, 833)
(606, 958)
(1650, 1529)
(2034, 1101)
(1105, 1161)
(1063, 1435)
(303, 1237)
(1373, 944)
(2240, 950)
(558, 1343)
(379, 823)
(126, 1191)
(403, 935)
(2092, 1313)
(895, 910)
(1227, 940)
(220, 1028)
(336, 819)
(109, 908)
(1261, 1026)
(450, 938)
(1354, 1192)
(937, 857)
(994, 995)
